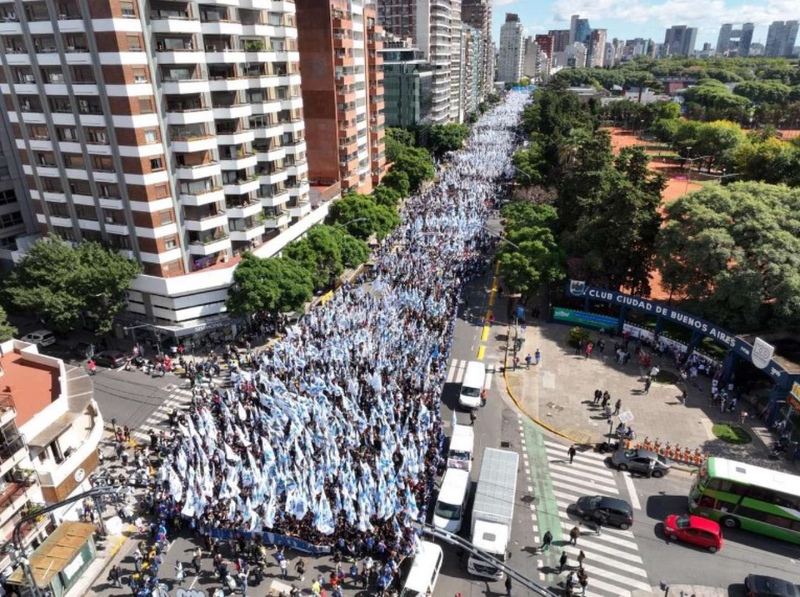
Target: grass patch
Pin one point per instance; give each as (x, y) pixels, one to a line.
(731, 434)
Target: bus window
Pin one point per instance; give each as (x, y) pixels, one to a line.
(706, 501)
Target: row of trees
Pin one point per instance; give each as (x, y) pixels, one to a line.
(281, 284)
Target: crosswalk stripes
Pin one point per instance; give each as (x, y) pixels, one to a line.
(613, 564)
(178, 398)
(458, 367)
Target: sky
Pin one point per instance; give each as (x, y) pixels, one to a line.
(627, 19)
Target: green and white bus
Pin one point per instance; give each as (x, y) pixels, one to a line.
(756, 499)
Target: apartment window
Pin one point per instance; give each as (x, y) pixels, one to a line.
(165, 217)
(9, 196)
(74, 160)
(119, 241)
(67, 133)
(126, 8)
(10, 220)
(156, 164)
(134, 43)
(145, 105)
(38, 131)
(102, 163)
(173, 266)
(171, 243)
(151, 136)
(162, 191)
(86, 212)
(140, 75)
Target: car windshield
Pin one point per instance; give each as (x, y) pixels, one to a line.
(682, 522)
(594, 502)
(471, 392)
(448, 511)
(456, 455)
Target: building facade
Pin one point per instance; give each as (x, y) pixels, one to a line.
(781, 39)
(50, 430)
(343, 91)
(680, 40)
(560, 39)
(597, 48)
(735, 42)
(408, 86)
(546, 45)
(511, 50)
(478, 15)
(171, 130)
(457, 67)
(474, 68)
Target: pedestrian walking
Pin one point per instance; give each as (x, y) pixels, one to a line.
(598, 395)
(547, 540)
(574, 533)
(571, 453)
(537, 357)
(579, 347)
(284, 568)
(491, 319)
(508, 585)
(115, 576)
(589, 349)
(528, 359)
(583, 580)
(562, 561)
(648, 380)
(472, 417)
(601, 519)
(581, 558)
(197, 562)
(617, 406)
(742, 417)
(180, 575)
(300, 568)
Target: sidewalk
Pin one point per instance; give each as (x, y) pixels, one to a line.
(558, 394)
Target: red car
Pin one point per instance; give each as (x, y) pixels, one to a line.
(695, 530)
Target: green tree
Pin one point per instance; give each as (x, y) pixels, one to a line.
(732, 253)
(397, 180)
(362, 217)
(530, 164)
(386, 196)
(759, 92)
(319, 251)
(442, 138)
(7, 331)
(63, 285)
(416, 163)
(397, 140)
(268, 286)
(354, 250)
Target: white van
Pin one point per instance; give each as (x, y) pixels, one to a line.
(449, 511)
(40, 338)
(424, 571)
(462, 446)
(472, 386)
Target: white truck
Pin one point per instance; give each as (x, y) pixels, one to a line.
(493, 509)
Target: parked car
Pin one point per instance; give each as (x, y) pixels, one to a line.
(769, 586)
(611, 511)
(40, 338)
(640, 461)
(83, 350)
(110, 358)
(695, 530)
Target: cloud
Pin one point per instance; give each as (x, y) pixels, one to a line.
(708, 14)
(503, 2)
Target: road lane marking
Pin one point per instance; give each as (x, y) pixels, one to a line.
(632, 492)
(481, 352)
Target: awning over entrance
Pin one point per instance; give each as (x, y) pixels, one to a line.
(58, 550)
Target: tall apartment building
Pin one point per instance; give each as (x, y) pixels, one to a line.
(579, 30)
(680, 40)
(509, 64)
(342, 91)
(474, 68)
(16, 213)
(560, 39)
(478, 14)
(457, 75)
(436, 31)
(597, 48)
(171, 130)
(546, 45)
(535, 62)
(408, 85)
(781, 38)
(735, 42)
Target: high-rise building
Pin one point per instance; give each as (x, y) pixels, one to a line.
(436, 31)
(597, 48)
(134, 127)
(509, 64)
(735, 42)
(610, 58)
(474, 68)
(341, 97)
(560, 39)
(457, 81)
(573, 27)
(545, 43)
(781, 37)
(408, 85)
(679, 40)
(16, 214)
(478, 14)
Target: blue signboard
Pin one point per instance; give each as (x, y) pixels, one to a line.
(723, 337)
(272, 539)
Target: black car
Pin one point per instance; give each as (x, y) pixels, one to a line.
(607, 510)
(110, 358)
(769, 586)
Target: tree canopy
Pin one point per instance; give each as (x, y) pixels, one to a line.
(64, 285)
(7, 331)
(732, 253)
(441, 138)
(362, 217)
(270, 286)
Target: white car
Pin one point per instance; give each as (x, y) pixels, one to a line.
(40, 338)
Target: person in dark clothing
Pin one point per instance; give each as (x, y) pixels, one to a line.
(571, 453)
(508, 585)
(547, 540)
(562, 561)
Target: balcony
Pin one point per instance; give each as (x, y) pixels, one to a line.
(277, 199)
(278, 220)
(200, 223)
(210, 245)
(242, 185)
(12, 453)
(8, 411)
(300, 210)
(182, 86)
(232, 111)
(173, 21)
(13, 497)
(240, 210)
(202, 197)
(247, 231)
(193, 144)
(239, 162)
(199, 171)
(182, 116)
